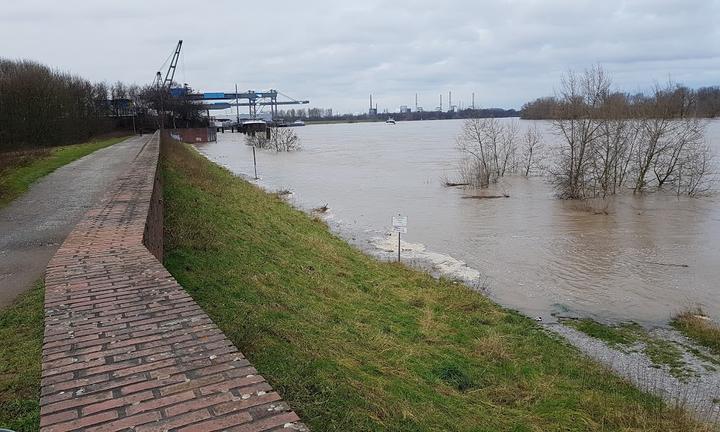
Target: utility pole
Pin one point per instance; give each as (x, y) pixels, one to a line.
(162, 106)
(237, 108)
(254, 163)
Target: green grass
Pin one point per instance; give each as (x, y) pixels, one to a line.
(699, 328)
(631, 336)
(21, 333)
(16, 179)
(354, 344)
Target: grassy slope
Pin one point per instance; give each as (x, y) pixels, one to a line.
(354, 344)
(14, 181)
(699, 328)
(21, 333)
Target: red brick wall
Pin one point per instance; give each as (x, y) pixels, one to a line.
(194, 135)
(153, 234)
(125, 346)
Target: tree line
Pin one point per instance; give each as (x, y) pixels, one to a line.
(42, 107)
(681, 101)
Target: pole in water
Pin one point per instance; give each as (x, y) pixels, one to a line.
(254, 163)
(398, 246)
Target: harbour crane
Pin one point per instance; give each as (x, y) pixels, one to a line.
(229, 99)
(170, 74)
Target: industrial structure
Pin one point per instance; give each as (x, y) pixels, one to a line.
(251, 99)
(225, 100)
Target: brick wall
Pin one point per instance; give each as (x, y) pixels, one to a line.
(153, 233)
(194, 135)
(125, 346)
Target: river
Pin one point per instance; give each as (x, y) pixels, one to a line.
(650, 257)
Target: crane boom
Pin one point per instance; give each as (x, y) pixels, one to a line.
(170, 75)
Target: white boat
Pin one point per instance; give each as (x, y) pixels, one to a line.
(297, 123)
(390, 121)
(254, 122)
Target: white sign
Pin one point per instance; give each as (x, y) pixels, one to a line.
(399, 224)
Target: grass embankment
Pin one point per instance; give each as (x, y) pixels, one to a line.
(21, 169)
(354, 344)
(21, 333)
(699, 328)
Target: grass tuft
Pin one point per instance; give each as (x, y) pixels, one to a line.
(698, 327)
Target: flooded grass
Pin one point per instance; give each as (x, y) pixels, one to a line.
(355, 344)
(631, 337)
(698, 327)
(21, 333)
(22, 169)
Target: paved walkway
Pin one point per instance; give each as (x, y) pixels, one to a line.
(33, 226)
(126, 348)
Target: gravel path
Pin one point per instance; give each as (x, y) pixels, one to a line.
(33, 226)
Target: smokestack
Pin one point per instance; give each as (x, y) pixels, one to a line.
(449, 101)
(371, 105)
(473, 100)
(440, 102)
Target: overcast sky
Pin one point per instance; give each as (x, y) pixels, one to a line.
(337, 53)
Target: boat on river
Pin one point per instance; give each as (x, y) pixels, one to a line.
(390, 120)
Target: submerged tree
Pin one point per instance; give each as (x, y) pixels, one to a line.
(532, 152)
(280, 140)
(490, 147)
(579, 125)
(608, 143)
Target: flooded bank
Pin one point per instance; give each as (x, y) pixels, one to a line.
(646, 259)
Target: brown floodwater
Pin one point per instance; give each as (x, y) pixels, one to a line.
(648, 258)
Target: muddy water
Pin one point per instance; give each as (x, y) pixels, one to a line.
(648, 258)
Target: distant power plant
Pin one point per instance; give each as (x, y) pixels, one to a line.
(405, 109)
(372, 112)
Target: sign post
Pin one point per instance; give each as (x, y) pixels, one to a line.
(399, 225)
(254, 163)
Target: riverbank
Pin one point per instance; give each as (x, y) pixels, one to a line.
(663, 361)
(353, 343)
(21, 169)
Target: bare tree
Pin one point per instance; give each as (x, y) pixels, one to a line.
(579, 125)
(491, 146)
(532, 150)
(695, 174)
(610, 153)
(281, 140)
(610, 140)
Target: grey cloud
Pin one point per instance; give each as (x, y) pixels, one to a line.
(336, 53)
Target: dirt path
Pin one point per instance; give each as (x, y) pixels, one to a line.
(33, 226)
